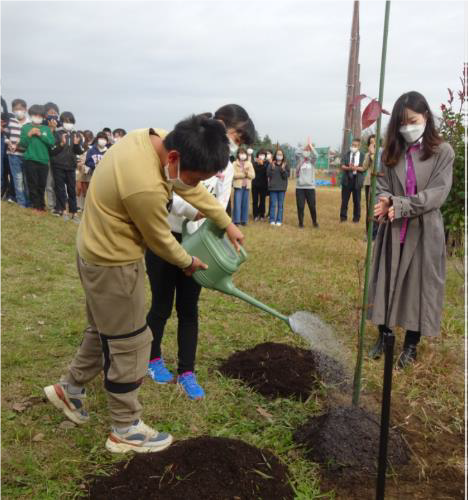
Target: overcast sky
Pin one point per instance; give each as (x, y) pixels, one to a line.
(139, 64)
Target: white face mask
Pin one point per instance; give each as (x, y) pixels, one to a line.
(250, 151)
(20, 114)
(233, 147)
(177, 182)
(261, 157)
(243, 157)
(116, 139)
(102, 143)
(269, 156)
(354, 150)
(279, 157)
(37, 120)
(411, 133)
(68, 126)
(306, 154)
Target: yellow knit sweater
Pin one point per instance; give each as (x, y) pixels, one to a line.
(127, 204)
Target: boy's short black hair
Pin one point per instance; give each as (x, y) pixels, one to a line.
(119, 131)
(260, 152)
(67, 116)
(356, 139)
(36, 109)
(101, 135)
(18, 102)
(202, 144)
(106, 129)
(51, 105)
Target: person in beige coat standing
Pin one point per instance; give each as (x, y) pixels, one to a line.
(243, 175)
(408, 269)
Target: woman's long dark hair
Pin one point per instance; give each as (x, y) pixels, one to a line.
(236, 117)
(395, 145)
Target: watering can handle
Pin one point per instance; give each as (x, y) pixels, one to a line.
(242, 254)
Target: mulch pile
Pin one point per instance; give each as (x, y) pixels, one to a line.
(346, 439)
(281, 370)
(208, 468)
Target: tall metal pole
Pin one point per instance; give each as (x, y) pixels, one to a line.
(389, 342)
(358, 370)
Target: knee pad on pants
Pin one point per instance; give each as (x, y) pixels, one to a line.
(126, 359)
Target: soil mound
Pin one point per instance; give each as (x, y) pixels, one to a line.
(346, 439)
(207, 468)
(281, 370)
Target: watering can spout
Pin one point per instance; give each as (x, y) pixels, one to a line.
(211, 245)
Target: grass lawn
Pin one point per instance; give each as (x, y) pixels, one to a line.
(290, 269)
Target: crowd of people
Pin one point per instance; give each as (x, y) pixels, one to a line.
(146, 184)
(46, 162)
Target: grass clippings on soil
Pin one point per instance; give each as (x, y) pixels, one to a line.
(207, 468)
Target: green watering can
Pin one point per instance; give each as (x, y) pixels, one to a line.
(212, 246)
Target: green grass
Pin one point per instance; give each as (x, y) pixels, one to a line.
(316, 270)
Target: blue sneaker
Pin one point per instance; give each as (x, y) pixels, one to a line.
(189, 384)
(159, 373)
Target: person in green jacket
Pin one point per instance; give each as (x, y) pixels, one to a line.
(36, 139)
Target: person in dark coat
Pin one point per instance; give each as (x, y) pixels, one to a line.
(408, 268)
(259, 186)
(352, 180)
(63, 154)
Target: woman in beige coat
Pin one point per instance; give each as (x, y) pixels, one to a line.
(408, 269)
(243, 175)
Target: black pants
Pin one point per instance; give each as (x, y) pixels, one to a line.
(303, 195)
(258, 201)
(375, 227)
(167, 280)
(346, 192)
(65, 189)
(36, 177)
(411, 337)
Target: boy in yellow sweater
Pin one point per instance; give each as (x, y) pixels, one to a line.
(126, 210)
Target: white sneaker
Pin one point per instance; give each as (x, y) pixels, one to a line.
(272, 224)
(279, 223)
(71, 404)
(139, 437)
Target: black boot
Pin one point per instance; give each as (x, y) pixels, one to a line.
(407, 356)
(378, 348)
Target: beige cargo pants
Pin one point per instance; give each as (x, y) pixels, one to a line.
(117, 339)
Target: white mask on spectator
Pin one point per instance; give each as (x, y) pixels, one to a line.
(306, 154)
(242, 157)
(36, 119)
(261, 157)
(102, 143)
(68, 126)
(354, 150)
(279, 157)
(268, 156)
(250, 151)
(116, 138)
(20, 114)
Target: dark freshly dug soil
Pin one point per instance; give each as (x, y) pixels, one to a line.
(346, 439)
(281, 370)
(207, 468)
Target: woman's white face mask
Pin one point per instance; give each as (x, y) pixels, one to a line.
(412, 133)
(177, 182)
(102, 143)
(243, 157)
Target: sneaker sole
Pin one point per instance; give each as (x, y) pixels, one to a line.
(121, 447)
(58, 400)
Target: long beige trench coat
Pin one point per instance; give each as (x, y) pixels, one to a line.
(407, 290)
